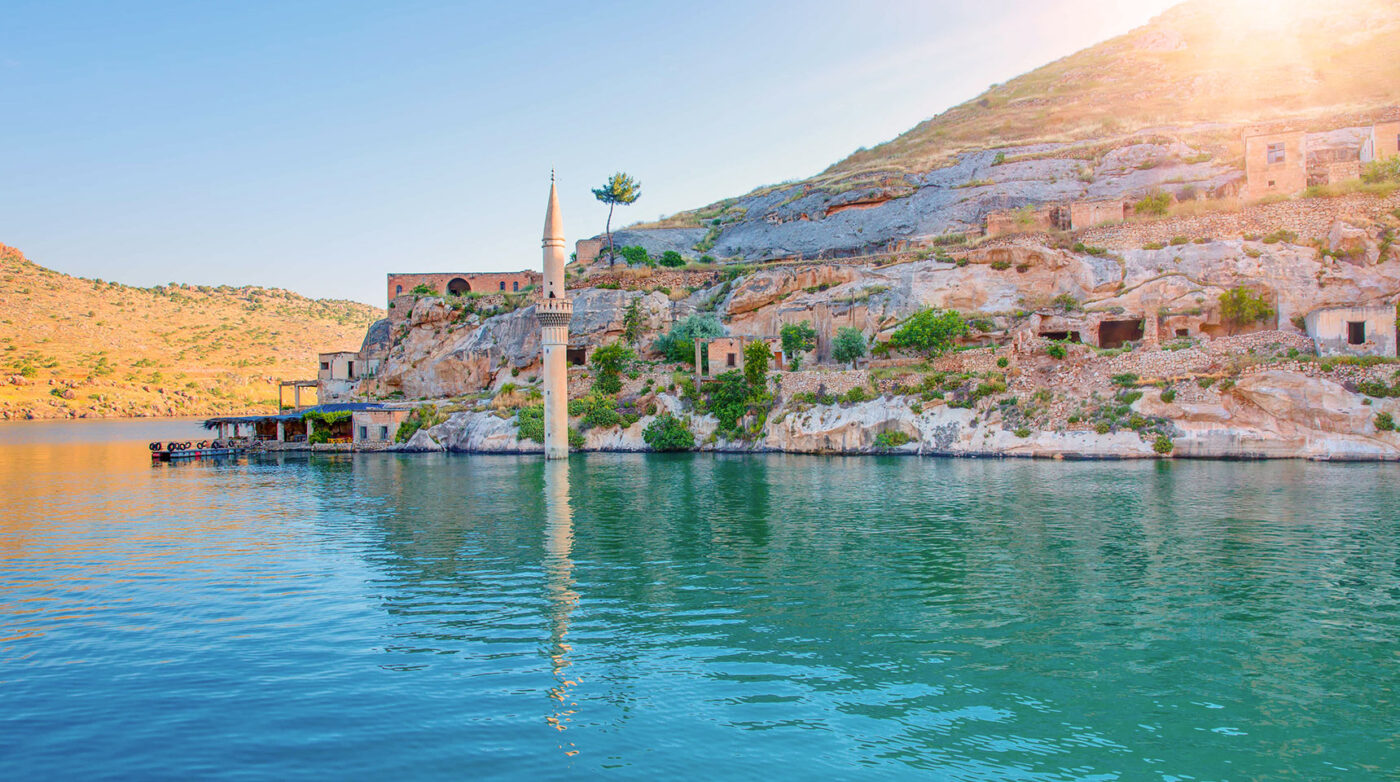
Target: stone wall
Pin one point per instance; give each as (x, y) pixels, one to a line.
(1310, 218)
(818, 381)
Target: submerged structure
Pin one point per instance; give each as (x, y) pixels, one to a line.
(554, 311)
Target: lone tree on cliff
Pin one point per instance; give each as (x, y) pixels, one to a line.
(619, 189)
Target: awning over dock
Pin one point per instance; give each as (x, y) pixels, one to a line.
(246, 420)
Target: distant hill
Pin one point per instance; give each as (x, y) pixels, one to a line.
(1214, 64)
(73, 347)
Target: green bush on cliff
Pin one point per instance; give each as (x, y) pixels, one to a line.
(678, 344)
(930, 331)
(1163, 445)
(668, 433)
(1157, 203)
(729, 399)
(1385, 422)
(529, 423)
(608, 362)
(849, 345)
(887, 440)
(756, 358)
(672, 259)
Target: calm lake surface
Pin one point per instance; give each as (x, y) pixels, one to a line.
(783, 617)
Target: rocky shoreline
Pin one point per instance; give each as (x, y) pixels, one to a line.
(1273, 414)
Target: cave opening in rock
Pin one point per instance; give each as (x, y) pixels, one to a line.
(1113, 333)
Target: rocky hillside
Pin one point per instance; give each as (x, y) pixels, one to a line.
(1159, 108)
(1186, 377)
(73, 347)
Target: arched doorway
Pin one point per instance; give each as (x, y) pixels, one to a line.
(458, 286)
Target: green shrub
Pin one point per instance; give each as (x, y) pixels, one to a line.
(1169, 395)
(888, 440)
(930, 331)
(756, 358)
(855, 395)
(424, 417)
(1382, 171)
(600, 411)
(1003, 362)
(1001, 266)
(1205, 382)
(1157, 203)
(1153, 246)
(668, 433)
(1056, 350)
(608, 362)
(1022, 432)
(1125, 380)
(797, 338)
(1163, 445)
(849, 345)
(1281, 235)
(422, 289)
(529, 423)
(1177, 241)
(1102, 427)
(678, 344)
(1240, 306)
(576, 440)
(636, 255)
(672, 259)
(729, 399)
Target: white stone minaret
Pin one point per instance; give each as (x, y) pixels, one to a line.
(554, 312)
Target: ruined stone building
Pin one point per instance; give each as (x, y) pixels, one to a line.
(1366, 330)
(1275, 163)
(459, 283)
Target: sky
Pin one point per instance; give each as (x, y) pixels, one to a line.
(317, 146)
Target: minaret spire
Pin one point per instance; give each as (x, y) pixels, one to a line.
(554, 311)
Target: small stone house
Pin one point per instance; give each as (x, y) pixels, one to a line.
(727, 353)
(1383, 142)
(1012, 221)
(1087, 214)
(1275, 163)
(337, 374)
(1353, 331)
(374, 429)
(588, 250)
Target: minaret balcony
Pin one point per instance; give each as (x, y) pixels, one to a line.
(554, 312)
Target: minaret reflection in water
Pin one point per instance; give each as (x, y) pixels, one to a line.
(559, 594)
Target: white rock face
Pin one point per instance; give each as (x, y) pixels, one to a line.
(1274, 414)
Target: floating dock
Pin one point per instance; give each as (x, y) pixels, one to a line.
(166, 454)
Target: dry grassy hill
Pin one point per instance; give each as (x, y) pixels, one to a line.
(73, 347)
(1204, 67)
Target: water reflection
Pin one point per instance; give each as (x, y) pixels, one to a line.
(561, 597)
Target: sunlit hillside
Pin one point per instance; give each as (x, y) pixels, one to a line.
(73, 347)
(1204, 62)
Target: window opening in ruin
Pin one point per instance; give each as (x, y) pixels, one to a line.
(1183, 332)
(503, 284)
(398, 290)
(730, 361)
(1277, 153)
(458, 286)
(1113, 333)
(364, 434)
(1271, 183)
(1062, 336)
(515, 286)
(325, 365)
(383, 433)
(576, 356)
(1356, 333)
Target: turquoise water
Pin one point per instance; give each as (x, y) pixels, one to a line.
(627, 616)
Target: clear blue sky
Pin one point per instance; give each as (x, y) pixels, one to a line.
(318, 145)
